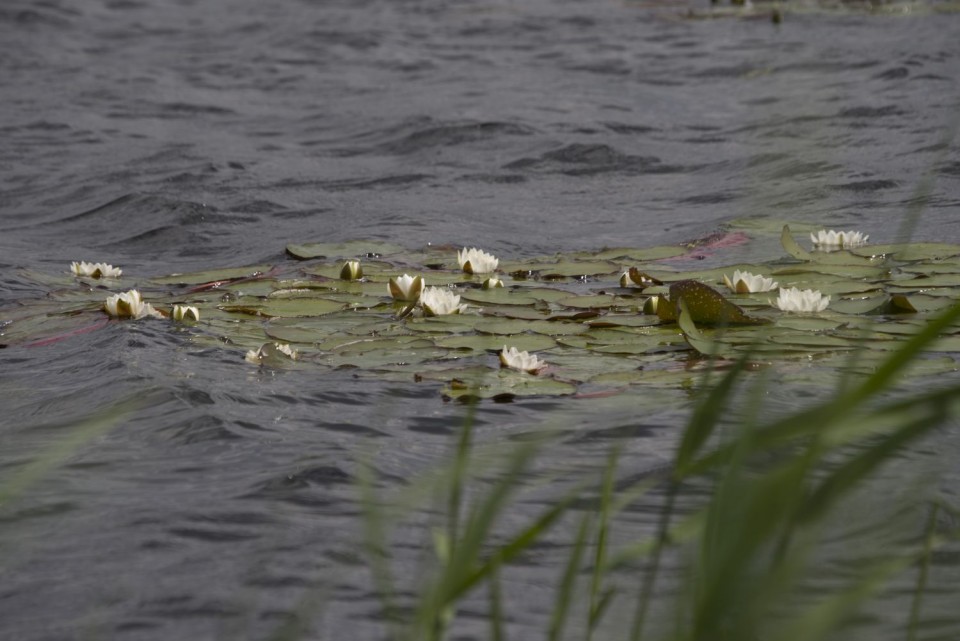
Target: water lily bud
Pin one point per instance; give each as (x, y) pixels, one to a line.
(406, 287)
(492, 283)
(650, 305)
(625, 279)
(351, 270)
(185, 312)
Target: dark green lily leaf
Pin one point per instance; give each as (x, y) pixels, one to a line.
(706, 305)
(628, 254)
(920, 303)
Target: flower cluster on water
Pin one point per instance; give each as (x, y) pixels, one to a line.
(129, 304)
(747, 283)
(475, 261)
(439, 301)
(833, 240)
(95, 270)
(512, 358)
(796, 300)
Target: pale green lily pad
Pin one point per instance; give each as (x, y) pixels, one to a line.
(396, 356)
(920, 303)
(508, 384)
(911, 251)
(632, 254)
(352, 249)
(574, 269)
(497, 296)
(868, 272)
(926, 282)
(297, 307)
(213, 275)
(869, 305)
(377, 271)
(450, 323)
(523, 342)
(808, 323)
(595, 301)
(623, 320)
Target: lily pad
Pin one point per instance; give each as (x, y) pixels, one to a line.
(353, 249)
(296, 307)
(508, 384)
(487, 343)
(213, 275)
(911, 251)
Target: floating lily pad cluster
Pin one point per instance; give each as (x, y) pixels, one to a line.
(594, 321)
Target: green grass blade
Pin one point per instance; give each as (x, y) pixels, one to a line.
(561, 607)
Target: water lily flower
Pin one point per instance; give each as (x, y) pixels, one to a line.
(266, 350)
(521, 361)
(491, 283)
(95, 270)
(833, 240)
(129, 305)
(746, 283)
(406, 287)
(808, 300)
(185, 312)
(351, 270)
(437, 301)
(475, 261)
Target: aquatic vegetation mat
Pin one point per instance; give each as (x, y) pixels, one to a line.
(600, 321)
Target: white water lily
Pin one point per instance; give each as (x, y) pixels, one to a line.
(437, 301)
(807, 300)
(406, 287)
(746, 283)
(129, 305)
(491, 283)
(832, 240)
(185, 312)
(95, 270)
(523, 361)
(351, 270)
(475, 261)
(266, 350)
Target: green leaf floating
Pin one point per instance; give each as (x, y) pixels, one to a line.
(705, 305)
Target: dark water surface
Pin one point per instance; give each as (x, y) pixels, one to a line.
(174, 136)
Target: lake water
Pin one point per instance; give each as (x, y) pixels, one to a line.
(185, 135)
